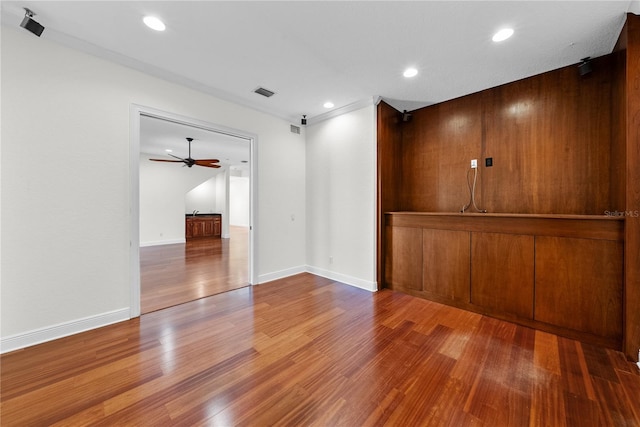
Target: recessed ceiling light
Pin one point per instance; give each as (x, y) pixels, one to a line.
(328, 104)
(154, 23)
(502, 35)
(169, 150)
(410, 72)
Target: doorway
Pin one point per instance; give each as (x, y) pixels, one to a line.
(158, 219)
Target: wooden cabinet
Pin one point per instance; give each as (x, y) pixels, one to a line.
(502, 273)
(558, 273)
(446, 267)
(217, 226)
(579, 284)
(404, 258)
(203, 226)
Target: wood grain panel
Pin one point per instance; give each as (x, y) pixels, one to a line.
(579, 285)
(591, 227)
(618, 185)
(446, 268)
(502, 273)
(632, 221)
(389, 138)
(437, 146)
(549, 136)
(403, 264)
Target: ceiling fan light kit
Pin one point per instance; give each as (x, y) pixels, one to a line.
(189, 161)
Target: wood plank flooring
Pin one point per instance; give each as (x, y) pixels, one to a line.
(307, 351)
(175, 274)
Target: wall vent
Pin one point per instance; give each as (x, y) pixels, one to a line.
(295, 129)
(264, 92)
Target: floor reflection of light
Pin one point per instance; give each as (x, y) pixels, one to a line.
(216, 414)
(168, 342)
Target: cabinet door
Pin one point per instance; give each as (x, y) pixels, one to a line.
(217, 227)
(188, 232)
(198, 229)
(579, 284)
(207, 225)
(446, 270)
(502, 273)
(403, 263)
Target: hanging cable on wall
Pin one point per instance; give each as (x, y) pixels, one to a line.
(472, 192)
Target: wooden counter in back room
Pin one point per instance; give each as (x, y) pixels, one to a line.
(558, 273)
(203, 225)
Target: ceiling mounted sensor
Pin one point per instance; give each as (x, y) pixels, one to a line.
(28, 23)
(264, 92)
(208, 163)
(303, 121)
(585, 67)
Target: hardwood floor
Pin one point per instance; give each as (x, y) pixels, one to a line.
(309, 351)
(175, 274)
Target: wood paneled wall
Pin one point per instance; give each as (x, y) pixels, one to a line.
(550, 137)
(560, 143)
(630, 41)
(437, 145)
(389, 134)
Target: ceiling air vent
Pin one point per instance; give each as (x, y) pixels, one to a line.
(295, 129)
(264, 92)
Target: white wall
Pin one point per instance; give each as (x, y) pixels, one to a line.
(222, 200)
(340, 191)
(65, 184)
(202, 198)
(163, 199)
(239, 201)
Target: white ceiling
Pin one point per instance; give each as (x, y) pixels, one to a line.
(309, 52)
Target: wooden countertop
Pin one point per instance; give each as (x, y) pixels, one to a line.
(603, 217)
(579, 226)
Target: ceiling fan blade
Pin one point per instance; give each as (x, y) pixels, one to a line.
(176, 157)
(208, 160)
(206, 164)
(165, 160)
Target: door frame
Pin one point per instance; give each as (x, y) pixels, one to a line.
(136, 111)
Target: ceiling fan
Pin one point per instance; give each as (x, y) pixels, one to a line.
(209, 163)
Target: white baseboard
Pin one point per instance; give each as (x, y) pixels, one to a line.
(269, 277)
(343, 278)
(27, 339)
(162, 242)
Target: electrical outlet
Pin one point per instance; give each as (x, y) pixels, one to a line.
(488, 162)
(474, 163)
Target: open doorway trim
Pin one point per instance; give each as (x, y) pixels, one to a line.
(136, 111)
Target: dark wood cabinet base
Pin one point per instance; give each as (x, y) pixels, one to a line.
(561, 274)
(197, 226)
